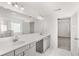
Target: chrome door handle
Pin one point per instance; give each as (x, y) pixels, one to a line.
(76, 38)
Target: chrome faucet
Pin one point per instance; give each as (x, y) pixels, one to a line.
(15, 39)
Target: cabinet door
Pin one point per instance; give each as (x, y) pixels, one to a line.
(43, 45)
(39, 46)
(30, 52)
(31, 27)
(9, 54)
(32, 49)
(20, 54)
(46, 43)
(20, 50)
(32, 44)
(27, 46)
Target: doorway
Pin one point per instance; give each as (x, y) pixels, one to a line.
(64, 37)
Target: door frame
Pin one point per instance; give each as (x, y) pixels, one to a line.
(64, 18)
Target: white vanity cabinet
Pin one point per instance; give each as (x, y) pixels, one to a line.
(20, 51)
(9, 54)
(20, 54)
(43, 44)
(32, 49)
(46, 43)
(32, 44)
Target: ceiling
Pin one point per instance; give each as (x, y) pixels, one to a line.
(35, 9)
(63, 9)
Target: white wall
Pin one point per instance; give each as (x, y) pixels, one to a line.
(78, 31)
(74, 26)
(52, 29)
(49, 25)
(78, 25)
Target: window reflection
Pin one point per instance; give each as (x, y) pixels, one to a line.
(15, 27)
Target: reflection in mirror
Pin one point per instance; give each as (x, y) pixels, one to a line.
(4, 32)
(16, 27)
(12, 23)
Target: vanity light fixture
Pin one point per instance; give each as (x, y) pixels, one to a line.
(17, 5)
(22, 8)
(40, 18)
(9, 2)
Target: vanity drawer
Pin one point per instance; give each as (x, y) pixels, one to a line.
(32, 44)
(20, 54)
(30, 52)
(27, 46)
(19, 50)
(9, 54)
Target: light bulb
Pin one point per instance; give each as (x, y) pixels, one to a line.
(40, 18)
(16, 5)
(22, 8)
(9, 2)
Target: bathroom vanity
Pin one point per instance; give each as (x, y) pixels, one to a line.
(43, 44)
(26, 45)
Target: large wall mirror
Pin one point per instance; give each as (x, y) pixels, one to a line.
(12, 23)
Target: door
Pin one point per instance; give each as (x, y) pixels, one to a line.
(64, 28)
(31, 27)
(64, 41)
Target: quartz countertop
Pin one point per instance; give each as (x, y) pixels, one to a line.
(7, 45)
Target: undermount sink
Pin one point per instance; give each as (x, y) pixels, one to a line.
(43, 34)
(18, 42)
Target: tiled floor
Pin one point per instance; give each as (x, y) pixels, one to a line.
(64, 43)
(52, 52)
(63, 50)
(56, 52)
